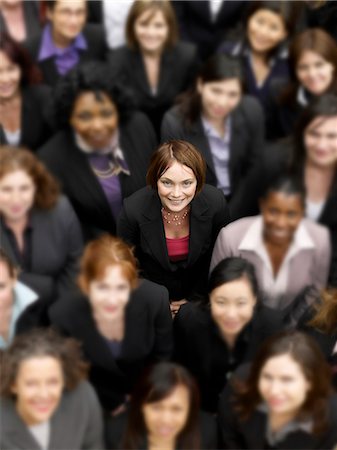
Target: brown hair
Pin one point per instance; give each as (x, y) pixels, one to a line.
(177, 150)
(40, 343)
(16, 158)
(325, 318)
(305, 352)
(141, 6)
(104, 252)
(12, 270)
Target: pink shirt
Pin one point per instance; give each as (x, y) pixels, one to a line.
(177, 248)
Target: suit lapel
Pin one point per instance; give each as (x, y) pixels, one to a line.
(235, 144)
(201, 142)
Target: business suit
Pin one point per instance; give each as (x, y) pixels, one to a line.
(247, 137)
(141, 225)
(76, 424)
(148, 338)
(178, 67)
(199, 346)
(96, 50)
(30, 17)
(35, 126)
(251, 433)
(308, 267)
(56, 246)
(71, 166)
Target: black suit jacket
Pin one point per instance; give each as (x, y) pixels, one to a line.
(199, 346)
(97, 50)
(36, 127)
(177, 70)
(141, 225)
(247, 138)
(148, 338)
(70, 165)
(196, 24)
(30, 17)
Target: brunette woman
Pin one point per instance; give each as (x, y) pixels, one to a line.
(173, 223)
(285, 402)
(163, 414)
(289, 253)
(39, 229)
(23, 104)
(153, 63)
(212, 338)
(122, 322)
(226, 126)
(45, 401)
(313, 70)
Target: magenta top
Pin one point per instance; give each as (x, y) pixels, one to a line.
(177, 248)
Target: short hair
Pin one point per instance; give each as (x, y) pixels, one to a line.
(139, 7)
(287, 184)
(156, 384)
(50, 4)
(19, 158)
(16, 53)
(176, 150)
(232, 269)
(92, 76)
(4, 258)
(102, 253)
(40, 343)
(305, 352)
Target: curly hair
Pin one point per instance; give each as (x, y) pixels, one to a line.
(39, 343)
(89, 77)
(18, 158)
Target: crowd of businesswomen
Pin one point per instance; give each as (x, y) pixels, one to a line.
(168, 224)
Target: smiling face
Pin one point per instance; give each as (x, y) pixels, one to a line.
(17, 194)
(283, 385)
(94, 119)
(219, 98)
(314, 72)
(10, 77)
(166, 418)
(177, 187)
(320, 141)
(265, 31)
(151, 31)
(110, 294)
(232, 306)
(282, 214)
(38, 388)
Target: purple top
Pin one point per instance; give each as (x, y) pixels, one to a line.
(65, 58)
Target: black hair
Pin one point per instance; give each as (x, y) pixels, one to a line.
(288, 185)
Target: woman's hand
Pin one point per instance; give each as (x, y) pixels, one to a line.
(175, 306)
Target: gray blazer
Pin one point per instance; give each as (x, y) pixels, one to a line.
(309, 267)
(76, 424)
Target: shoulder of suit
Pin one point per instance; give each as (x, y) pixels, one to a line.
(250, 105)
(150, 292)
(33, 44)
(62, 141)
(143, 196)
(185, 49)
(93, 30)
(64, 309)
(316, 230)
(240, 225)
(212, 192)
(193, 315)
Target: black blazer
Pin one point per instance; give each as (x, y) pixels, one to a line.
(251, 434)
(56, 247)
(141, 225)
(247, 138)
(199, 347)
(177, 70)
(36, 127)
(97, 50)
(70, 165)
(148, 338)
(273, 162)
(30, 17)
(115, 428)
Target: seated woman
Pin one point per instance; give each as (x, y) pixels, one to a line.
(289, 252)
(45, 401)
(23, 104)
(163, 414)
(106, 145)
(38, 227)
(174, 222)
(153, 63)
(267, 26)
(313, 70)
(311, 153)
(213, 338)
(123, 323)
(285, 402)
(226, 126)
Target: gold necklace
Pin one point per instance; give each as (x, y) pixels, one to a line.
(173, 218)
